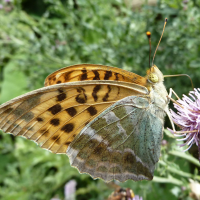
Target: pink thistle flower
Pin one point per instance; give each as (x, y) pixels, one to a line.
(70, 189)
(188, 119)
(136, 197)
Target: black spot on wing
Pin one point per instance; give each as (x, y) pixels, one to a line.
(116, 77)
(105, 98)
(68, 128)
(58, 82)
(60, 90)
(39, 119)
(95, 90)
(55, 109)
(80, 90)
(56, 138)
(67, 76)
(61, 97)
(71, 111)
(81, 98)
(96, 75)
(83, 75)
(55, 122)
(92, 110)
(108, 74)
(67, 143)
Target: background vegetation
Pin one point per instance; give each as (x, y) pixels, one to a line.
(38, 37)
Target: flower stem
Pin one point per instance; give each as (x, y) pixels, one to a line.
(178, 171)
(185, 156)
(169, 179)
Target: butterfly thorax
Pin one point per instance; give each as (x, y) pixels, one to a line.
(157, 91)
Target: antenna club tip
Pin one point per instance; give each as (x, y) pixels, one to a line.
(165, 19)
(148, 33)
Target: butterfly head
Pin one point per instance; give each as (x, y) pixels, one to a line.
(154, 75)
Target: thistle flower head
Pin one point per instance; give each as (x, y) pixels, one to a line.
(136, 197)
(188, 119)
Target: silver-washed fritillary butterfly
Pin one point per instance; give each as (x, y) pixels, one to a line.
(107, 120)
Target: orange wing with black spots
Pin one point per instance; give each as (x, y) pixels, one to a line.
(84, 72)
(52, 116)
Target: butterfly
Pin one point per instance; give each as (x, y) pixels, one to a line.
(121, 194)
(107, 120)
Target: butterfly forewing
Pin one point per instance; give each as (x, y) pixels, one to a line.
(122, 143)
(53, 116)
(92, 72)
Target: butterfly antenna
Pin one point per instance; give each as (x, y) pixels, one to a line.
(149, 38)
(181, 75)
(159, 40)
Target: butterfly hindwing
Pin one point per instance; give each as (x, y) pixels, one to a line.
(122, 143)
(53, 116)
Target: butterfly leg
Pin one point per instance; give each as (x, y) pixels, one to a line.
(171, 91)
(170, 94)
(170, 119)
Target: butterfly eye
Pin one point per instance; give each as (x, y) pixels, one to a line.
(153, 78)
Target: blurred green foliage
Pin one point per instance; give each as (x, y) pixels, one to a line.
(38, 37)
